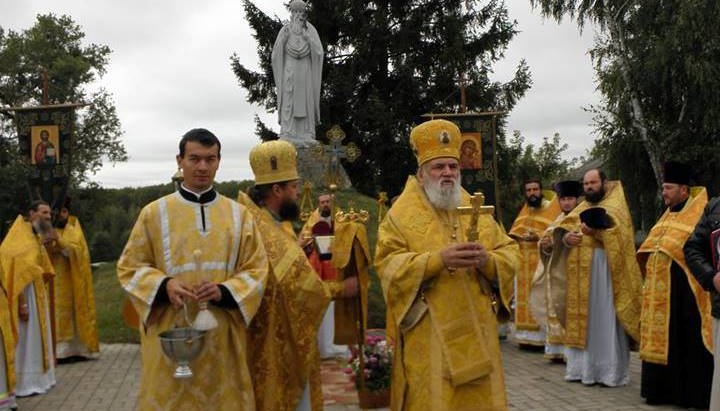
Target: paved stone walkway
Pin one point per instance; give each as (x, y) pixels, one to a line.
(111, 384)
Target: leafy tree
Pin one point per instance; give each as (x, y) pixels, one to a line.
(386, 63)
(55, 44)
(658, 68)
(521, 161)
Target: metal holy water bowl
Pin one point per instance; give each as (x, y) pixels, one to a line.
(182, 345)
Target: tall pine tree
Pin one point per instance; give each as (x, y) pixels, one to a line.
(386, 63)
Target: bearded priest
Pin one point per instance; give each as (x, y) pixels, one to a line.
(285, 362)
(603, 284)
(540, 210)
(676, 339)
(437, 284)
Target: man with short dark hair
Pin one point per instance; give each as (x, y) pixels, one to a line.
(676, 324)
(604, 284)
(538, 212)
(192, 249)
(27, 268)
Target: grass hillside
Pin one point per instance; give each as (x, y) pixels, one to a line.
(109, 295)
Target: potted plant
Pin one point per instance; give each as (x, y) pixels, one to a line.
(372, 371)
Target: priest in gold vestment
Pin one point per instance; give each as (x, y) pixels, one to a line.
(540, 210)
(676, 336)
(26, 269)
(7, 351)
(76, 330)
(545, 302)
(190, 247)
(284, 358)
(603, 290)
(437, 285)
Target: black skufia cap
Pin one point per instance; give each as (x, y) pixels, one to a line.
(677, 173)
(568, 188)
(596, 218)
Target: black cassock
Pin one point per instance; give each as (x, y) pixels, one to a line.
(686, 380)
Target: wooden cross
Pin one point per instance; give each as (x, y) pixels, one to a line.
(476, 208)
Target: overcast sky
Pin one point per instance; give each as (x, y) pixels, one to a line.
(170, 71)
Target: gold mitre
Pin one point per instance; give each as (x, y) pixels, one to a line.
(274, 162)
(434, 139)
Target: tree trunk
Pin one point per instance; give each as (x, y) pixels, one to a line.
(618, 40)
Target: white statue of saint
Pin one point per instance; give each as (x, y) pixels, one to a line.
(297, 58)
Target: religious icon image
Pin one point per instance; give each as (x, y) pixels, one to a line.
(45, 142)
(471, 152)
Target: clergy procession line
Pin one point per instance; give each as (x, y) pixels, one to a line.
(568, 271)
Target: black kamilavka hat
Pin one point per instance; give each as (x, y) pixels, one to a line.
(568, 188)
(677, 173)
(596, 218)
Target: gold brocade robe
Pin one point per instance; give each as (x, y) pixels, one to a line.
(448, 355)
(547, 302)
(662, 248)
(162, 244)
(7, 338)
(74, 296)
(284, 356)
(25, 261)
(618, 243)
(530, 221)
(351, 257)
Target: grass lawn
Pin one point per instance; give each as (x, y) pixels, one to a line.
(109, 298)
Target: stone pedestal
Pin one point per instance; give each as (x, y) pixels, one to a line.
(315, 166)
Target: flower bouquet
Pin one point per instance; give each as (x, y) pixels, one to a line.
(372, 371)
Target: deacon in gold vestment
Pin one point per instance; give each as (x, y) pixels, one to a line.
(547, 302)
(76, 330)
(284, 358)
(26, 268)
(604, 284)
(676, 339)
(539, 211)
(190, 247)
(435, 283)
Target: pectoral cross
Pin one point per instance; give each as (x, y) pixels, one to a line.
(476, 208)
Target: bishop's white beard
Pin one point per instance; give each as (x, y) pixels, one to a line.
(444, 198)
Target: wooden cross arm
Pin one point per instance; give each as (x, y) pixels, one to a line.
(468, 210)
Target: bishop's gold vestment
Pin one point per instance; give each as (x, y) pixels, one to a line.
(662, 248)
(447, 354)
(162, 244)
(619, 246)
(284, 355)
(530, 221)
(74, 296)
